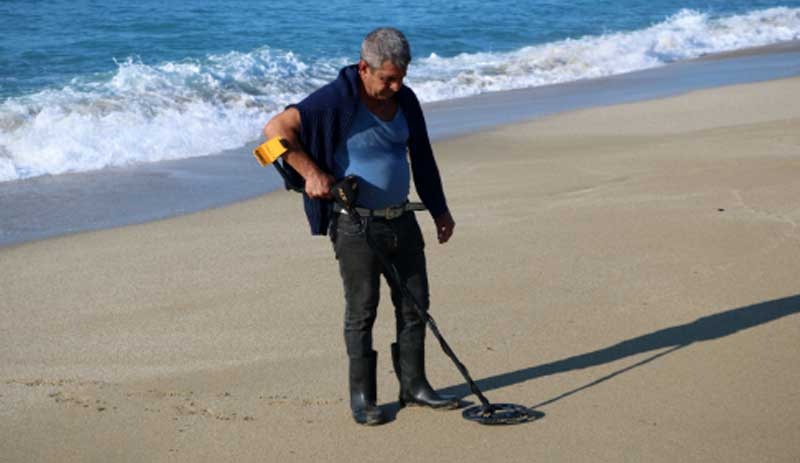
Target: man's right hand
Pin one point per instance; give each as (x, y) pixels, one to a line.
(287, 126)
(318, 185)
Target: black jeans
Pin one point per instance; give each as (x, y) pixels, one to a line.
(400, 240)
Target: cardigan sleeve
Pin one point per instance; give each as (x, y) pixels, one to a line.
(423, 165)
(320, 129)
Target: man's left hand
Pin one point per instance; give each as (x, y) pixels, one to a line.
(444, 227)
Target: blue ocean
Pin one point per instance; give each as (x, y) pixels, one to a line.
(86, 85)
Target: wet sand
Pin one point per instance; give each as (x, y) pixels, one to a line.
(629, 271)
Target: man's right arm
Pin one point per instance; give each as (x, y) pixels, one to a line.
(287, 125)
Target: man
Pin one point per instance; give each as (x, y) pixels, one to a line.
(366, 123)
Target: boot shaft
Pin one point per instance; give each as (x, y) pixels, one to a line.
(409, 365)
(362, 378)
(363, 390)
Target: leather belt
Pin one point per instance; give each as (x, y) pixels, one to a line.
(388, 213)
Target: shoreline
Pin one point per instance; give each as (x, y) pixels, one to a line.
(629, 271)
(51, 206)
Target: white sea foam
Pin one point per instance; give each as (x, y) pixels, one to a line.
(150, 113)
(145, 113)
(687, 34)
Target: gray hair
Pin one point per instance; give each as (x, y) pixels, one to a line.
(386, 44)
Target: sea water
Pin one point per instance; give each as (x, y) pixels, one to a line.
(87, 85)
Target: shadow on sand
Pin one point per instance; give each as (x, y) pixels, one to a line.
(672, 339)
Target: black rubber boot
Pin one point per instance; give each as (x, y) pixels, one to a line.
(363, 390)
(409, 365)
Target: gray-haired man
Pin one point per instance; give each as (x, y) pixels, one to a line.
(368, 124)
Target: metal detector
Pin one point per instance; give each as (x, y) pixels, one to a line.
(344, 193)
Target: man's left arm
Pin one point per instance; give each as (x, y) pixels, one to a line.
(425, 171)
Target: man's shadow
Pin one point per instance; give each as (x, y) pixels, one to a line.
(672, 339)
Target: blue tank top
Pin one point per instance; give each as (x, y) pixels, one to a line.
(375, 151)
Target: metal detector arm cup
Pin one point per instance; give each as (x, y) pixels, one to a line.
(268, 153)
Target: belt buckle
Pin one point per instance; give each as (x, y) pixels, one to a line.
(393, 212)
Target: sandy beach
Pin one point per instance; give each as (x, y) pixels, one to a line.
(629, 271)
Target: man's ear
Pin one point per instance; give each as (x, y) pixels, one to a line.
(362, 66)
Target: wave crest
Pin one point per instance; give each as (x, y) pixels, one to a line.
(685, 35)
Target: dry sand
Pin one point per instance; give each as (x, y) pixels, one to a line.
(630, 271)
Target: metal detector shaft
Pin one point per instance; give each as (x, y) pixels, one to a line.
(395, 276)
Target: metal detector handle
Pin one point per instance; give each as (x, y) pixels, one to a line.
(288, 180)
(269, 152)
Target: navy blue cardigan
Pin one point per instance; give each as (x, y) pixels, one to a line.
(326, 116)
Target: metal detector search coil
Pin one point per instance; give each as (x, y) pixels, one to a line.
(501, 414)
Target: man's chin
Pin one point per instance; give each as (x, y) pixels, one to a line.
(382, 96)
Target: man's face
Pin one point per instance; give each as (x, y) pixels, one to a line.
(381, 83)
